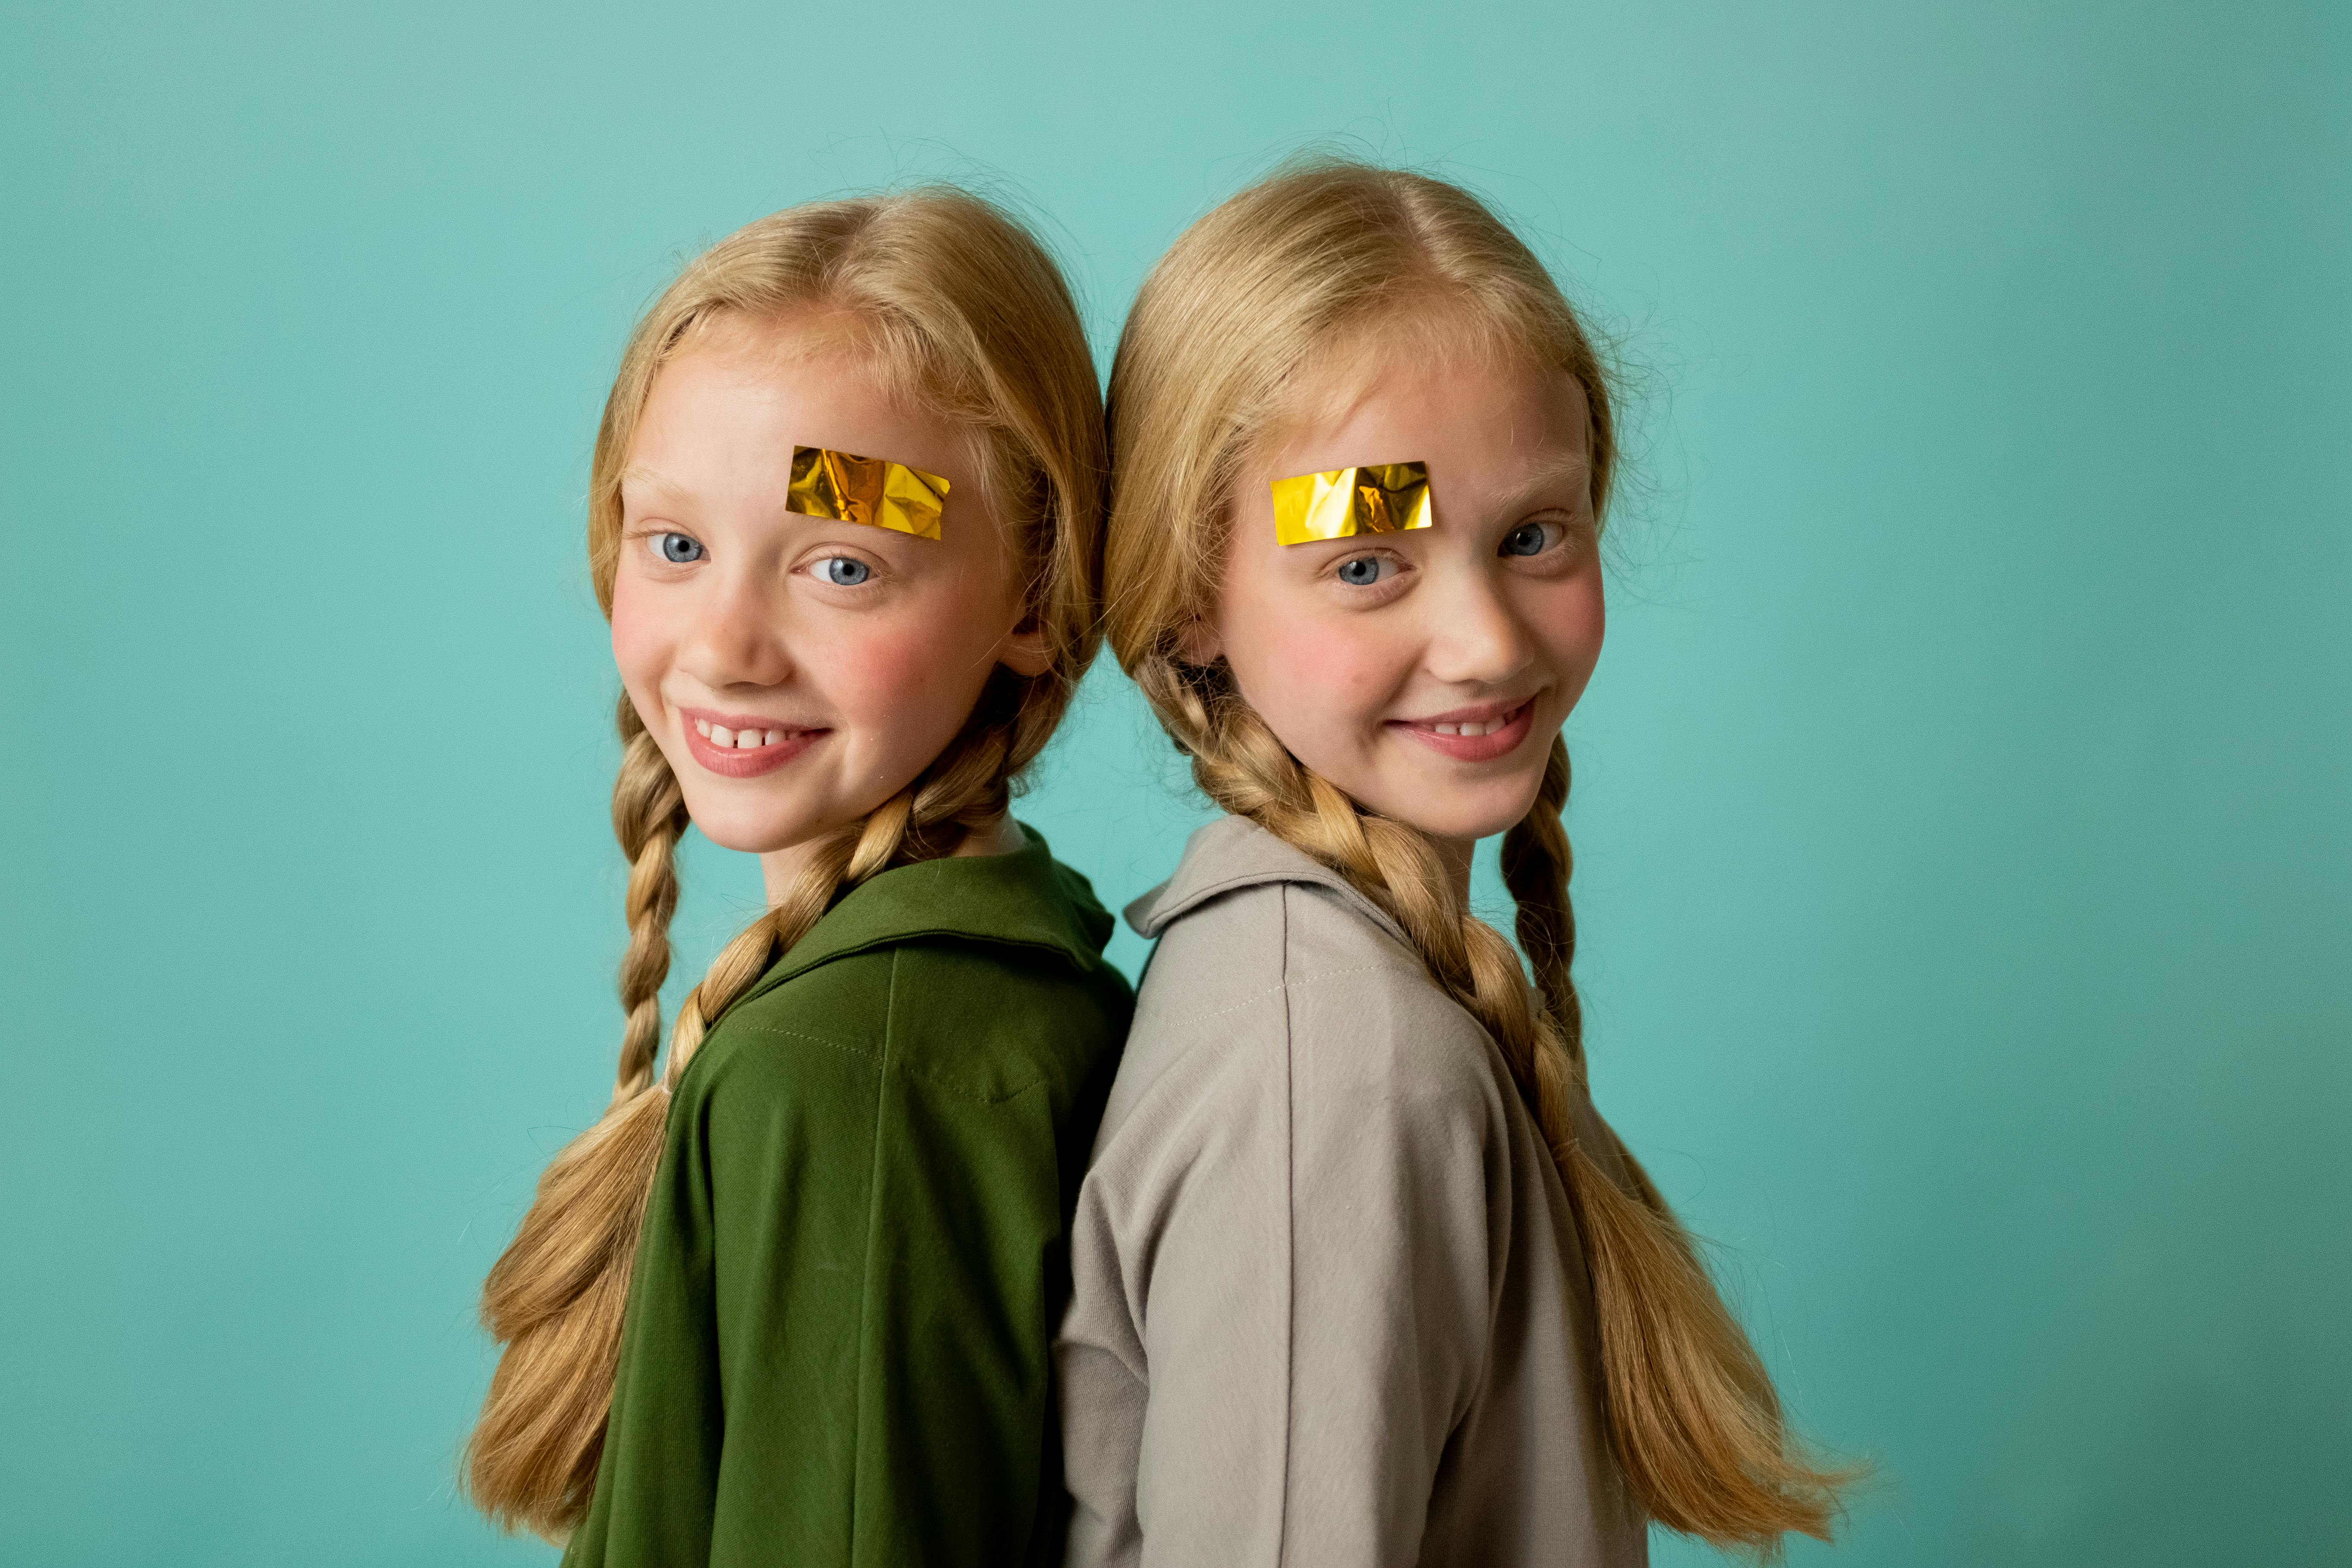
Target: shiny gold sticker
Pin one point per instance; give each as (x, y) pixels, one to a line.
(1376, 498)
(870, 490)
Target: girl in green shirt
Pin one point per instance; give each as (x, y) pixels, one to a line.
(790, 1301)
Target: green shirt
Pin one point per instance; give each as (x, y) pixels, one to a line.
(837, 1342)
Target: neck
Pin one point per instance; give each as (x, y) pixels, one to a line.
(778, 868)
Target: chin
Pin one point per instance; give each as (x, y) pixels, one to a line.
(747, 842)
(747, 833)
(1474, 819)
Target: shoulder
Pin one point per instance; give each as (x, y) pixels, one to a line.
(981, 1019)
(1290, 990)
(989, 1018)
(819, 1037)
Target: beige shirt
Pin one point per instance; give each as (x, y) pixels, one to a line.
(1328, 1306)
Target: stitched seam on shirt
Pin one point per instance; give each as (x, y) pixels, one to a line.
(872, 1251)
(1290, 1242)
(1278, 987)
(866, 1053)
(869, 1053)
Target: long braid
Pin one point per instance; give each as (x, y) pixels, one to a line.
(556, 1296)
(1692, 1414)
(648, 818)
(1537, 864)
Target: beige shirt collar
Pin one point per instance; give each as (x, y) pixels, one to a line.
(1234, 852)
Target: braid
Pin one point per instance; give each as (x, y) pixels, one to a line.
(1691, 1413)
(648, 818)
(556, 1297)
(1537, 864)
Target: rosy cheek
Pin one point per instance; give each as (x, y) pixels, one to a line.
(1329, 678)
(1573, 627)
(641, 643)
(880, 673)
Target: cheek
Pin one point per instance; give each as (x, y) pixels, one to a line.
(1578, 626)
(1309, 676)
(641, 643)
(1568, 621)
(906, 677)
(881, 668)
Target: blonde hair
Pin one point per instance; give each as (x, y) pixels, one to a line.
(1230, 329)
(961, 307)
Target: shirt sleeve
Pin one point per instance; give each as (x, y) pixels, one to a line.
(835, 1349)
(1308, 1265)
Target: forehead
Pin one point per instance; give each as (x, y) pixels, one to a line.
(738, 397)
(1470, 416)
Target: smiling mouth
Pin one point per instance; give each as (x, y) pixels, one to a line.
(1474, 728)
(1473, 740)
(744, 739)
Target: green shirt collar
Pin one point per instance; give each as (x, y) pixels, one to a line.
(1025, 899)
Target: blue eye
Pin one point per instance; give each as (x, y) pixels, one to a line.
(846, 570)
(678, 549)
(1527, 539)
(1363, 571)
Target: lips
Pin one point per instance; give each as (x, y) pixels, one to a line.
(744, 745)
(1471, 734)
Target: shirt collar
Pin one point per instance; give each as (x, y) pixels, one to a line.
(1231, 853)
(1023, 898)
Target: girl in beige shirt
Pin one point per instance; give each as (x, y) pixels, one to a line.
(1360, 1276)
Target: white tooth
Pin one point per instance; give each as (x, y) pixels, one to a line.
(721, 735)
(747, 741)
(1490, 726)
(702, 727)
(1448, 729)
(775, 738)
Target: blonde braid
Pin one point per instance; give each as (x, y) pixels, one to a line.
(1537, 864)
(648, 818)
(556, 1296)
(1674, 1360)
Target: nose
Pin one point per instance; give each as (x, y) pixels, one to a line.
(1476, 636)
(737, 634)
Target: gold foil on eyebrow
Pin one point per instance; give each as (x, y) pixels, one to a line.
(1340, 503)
(871, 491)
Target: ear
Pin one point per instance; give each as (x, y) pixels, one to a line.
(1025, 652)
(1199, 643)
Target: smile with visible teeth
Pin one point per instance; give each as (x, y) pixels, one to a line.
(739, 740)
(1488, 728)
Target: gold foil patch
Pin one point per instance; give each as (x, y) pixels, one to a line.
(834, 485)
(1376, 498)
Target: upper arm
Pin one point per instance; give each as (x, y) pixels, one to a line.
(1306, 1249)
(879, 1297)
(1397, 1194)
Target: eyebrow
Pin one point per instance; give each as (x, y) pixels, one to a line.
(637, 477)
(1558, 471)
(1562, 471)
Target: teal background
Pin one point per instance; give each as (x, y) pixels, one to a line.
(1961, 800)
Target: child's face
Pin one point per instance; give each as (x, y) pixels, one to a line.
(853, 653)
(1425, 672)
